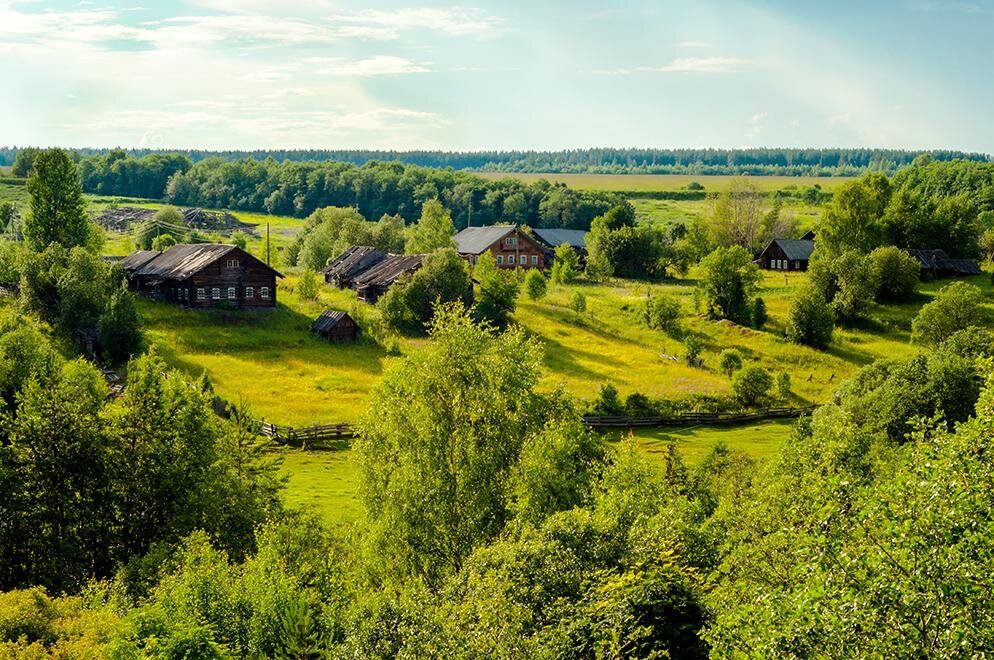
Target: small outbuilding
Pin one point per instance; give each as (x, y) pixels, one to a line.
(786, 254)
(936, 263)
(335, 326)
(374, 282)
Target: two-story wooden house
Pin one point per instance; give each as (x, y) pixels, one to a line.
(202, 275)
(510, 247)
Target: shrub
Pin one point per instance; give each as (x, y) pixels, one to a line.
(898, 272)
(783, 385)
(639, 405)
(608, 402)
(692, 350)
(239, 239)
(759, 314)
(955, 307)
(163, 242)
(751, 384)
(307, 286)
(498, 292)
(119, 327)
(729, 361)
(565, 265)
(972, 342)
(409, 303)
(536, 285)
(663, 313)
(578, 302)
(810, 320)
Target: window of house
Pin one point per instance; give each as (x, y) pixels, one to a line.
(511, 241)
(249, 292)
(510, 260)
(534, 260)
(231, 293)
(500, 259)
(216, 293)
(201, 294)
(232, 263)
(264, 292)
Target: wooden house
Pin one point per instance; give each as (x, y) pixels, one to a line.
(786, 254)
(936, 263)
(335, 326)
(510, 247)
(343, 269)
(373, 282)
(202, 275)
(553, 238)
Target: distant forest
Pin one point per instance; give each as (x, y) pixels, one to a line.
(767, 161)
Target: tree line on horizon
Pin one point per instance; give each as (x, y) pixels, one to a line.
(756, 161)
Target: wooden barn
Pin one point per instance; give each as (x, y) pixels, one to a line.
(335, 326)
(786, 254)
(553, 238)
(203, 275)
(511, 247)
(343, 269)
(373, 282)
(936, 263)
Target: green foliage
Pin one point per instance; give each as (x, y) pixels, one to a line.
(810, 320)
(608, 402)
(445, 426)
(10, 268)
(24, 161)
(729, 360)
(433, 231)
(728, 283)
(119, 329)
(57, 208)
(307, 285)
(498, 292)
(692, 348)
(565, 265)
(751, 384)
(331, 230)
(955, 307)
(410, 303)
(739, 216)
(631, 251)
(663, 313)
(857, 282)
(163, 242)
(971, 343)
(783, 385)
(578, 303)
(853, 220)
(898, 273)
(239, 239)
(536, 285)
(167, 221)
(759, 315)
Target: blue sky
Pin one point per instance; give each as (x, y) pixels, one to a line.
(538, 74)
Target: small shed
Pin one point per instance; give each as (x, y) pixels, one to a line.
(335, 326)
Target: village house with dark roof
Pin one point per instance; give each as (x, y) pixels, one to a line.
(510, 247)
(786, 254)
(202, 275)
(343, 269)
(553, 238)
(373, 282)
(937, 263)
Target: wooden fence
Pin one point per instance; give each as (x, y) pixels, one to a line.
(302, 437)
(693, 418)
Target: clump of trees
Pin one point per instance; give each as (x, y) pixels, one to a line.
(810, 319)
(330, 231)
(536, 285)
(497, 291)
(743, 215)
(57, 211)
(727, 284)
(617, 246)
(955, 307)
(409, 304)
(897, 274)
(663, 312)
(565, 265)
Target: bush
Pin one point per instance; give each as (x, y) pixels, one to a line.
(728, 281)
(663, 313)
(239, 239)
(729, 361)
(692, 351)
(536, 285)
(119, 327)
(409, 303)
(810, 320)
(608, 402)
(972, 342)
(759, 315)
(498, 292)
(163, 242)
(857, 285)
(565, 265)
(167, 220)
(307, 286)
(751, 384)
(898, 272)
(578, 302)
(783, 385)
(955, 307)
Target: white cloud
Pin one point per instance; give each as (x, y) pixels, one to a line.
(389, 24)
(270, 73)
(693, 44)
(688, 65)
(379, 65)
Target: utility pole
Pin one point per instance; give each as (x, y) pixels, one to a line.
(267, 242)
(469, 223)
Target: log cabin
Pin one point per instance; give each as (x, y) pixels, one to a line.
(373, 282)
(510, 247)
(786, 254)
(553, 238)
(202, 276)
(335, 326)
(343, 269)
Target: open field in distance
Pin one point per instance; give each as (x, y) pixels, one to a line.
(666, 182)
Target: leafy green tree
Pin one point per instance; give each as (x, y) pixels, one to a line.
(24, 161)
(783, 385)
(239, 239)
(759, 315)
(433, 230)
(9, 219)
(729, 360)
(410, 303)
(498, 292)
(955, 307)
(578, 303)
(307, 285)
(810, 320)
(663, 313)
(857, 281)
(750, 384)
(565, 265)
(728, 284)
(971, 343)
(536, 285)
(444, 429)
(898, 273)
(853, 220)
(163, 242)
(608, 402)
(166, 221)
(57, 208)
(119, 327)
(692, 348)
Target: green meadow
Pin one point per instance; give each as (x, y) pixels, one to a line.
(667, 182)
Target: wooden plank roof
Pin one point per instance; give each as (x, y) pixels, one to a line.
(353, 261)
(328, 319)
(184, 259)
(387, 271)
(575, 238)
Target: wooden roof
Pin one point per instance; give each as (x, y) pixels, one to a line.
(329, 319)
(387, 271)
(575, 238)
(184, 259)
(353, 261)
(794, 249)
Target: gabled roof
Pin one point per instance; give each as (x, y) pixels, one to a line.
(354, 260)
(388, 270)
(136, 260)
(936, 261)
(795, 249)
(476, 240)
(328, 319)
(575, 238)
(184, 259)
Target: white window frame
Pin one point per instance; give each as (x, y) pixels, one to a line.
(534, 260)
(510, 260)
(511, 241)
(264, 292)
(249, 292)
(231, 293)
(201, 293)
(215, 293)
(232, 263)
(500, 259)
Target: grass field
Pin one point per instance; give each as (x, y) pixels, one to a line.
(666, 182)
